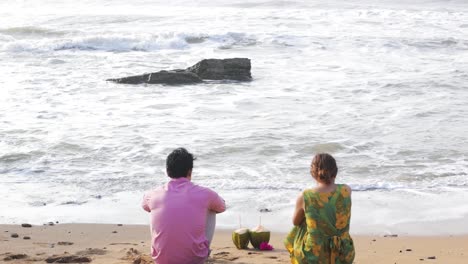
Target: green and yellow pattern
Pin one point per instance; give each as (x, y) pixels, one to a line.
(323, 238)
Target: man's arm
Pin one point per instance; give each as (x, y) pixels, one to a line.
(144, 203)
(216, 203)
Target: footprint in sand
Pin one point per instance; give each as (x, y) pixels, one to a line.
(64, 243)
(44, 245)
(10, 256)
(137, 258)
(92, 251)
(67, 259)
(224, 256)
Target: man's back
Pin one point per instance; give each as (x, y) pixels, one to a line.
(178, 219)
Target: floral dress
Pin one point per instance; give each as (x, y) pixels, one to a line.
(323, 238)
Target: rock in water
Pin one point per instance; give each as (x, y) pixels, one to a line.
(258, 235)
(210, 69)
(223, 69)
(174, 77)
(162, 77)
(241, 238)
(137, 79)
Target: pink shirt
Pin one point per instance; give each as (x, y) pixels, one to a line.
(178, 218)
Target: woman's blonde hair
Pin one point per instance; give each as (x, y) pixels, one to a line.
(324, 168)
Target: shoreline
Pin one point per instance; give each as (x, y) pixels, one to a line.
(114, 243)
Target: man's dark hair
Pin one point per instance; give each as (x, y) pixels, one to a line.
(179, 163)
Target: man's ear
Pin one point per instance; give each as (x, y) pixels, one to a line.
(189, 174)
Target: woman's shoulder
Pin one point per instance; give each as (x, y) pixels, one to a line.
(345, 190)
(345, 186)
(309, 191)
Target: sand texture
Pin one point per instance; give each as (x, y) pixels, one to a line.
(97, 243)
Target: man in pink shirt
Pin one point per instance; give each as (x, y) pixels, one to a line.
(182, 214)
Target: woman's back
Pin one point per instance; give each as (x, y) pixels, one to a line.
(324, 235)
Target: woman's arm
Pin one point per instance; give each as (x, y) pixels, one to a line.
(299, 211)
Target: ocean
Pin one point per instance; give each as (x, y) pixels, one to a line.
(380, 85)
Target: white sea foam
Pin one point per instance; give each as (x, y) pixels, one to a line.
(126, 43)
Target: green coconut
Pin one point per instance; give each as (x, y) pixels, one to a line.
(258, 235)
(241, 237)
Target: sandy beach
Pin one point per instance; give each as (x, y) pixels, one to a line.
(97, 243)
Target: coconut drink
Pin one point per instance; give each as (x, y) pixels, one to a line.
(241, 238)
(258, 235)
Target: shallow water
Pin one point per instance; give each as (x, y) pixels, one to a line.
(383, 87)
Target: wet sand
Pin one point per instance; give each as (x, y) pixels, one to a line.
(130, 244)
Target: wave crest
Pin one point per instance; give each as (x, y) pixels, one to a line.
(120, 43)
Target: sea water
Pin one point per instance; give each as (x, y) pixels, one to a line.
(381, 85)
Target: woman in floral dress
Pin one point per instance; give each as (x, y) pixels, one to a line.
(321, 219)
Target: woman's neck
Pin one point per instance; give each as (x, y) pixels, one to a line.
(323, 187)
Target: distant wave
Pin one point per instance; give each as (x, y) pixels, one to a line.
(125, 43)
(31, 31)
(277, 186)
(11, 41)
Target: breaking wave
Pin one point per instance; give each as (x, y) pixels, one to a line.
(121, 43)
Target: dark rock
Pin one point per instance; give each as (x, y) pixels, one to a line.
(209, 69)
(433, 257)
(56, 222)
(68, 259)
(51, 223)
(173, 77)
(119, 225)
(264, 210)
(26, 225)
(137, 79)
(223, 69)
(26, 238)
(390, 235)
(15, 256)
(114, 232)
(409, 249)
(14, 235)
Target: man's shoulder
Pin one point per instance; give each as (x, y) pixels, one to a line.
(203, 189)
(156, 189)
